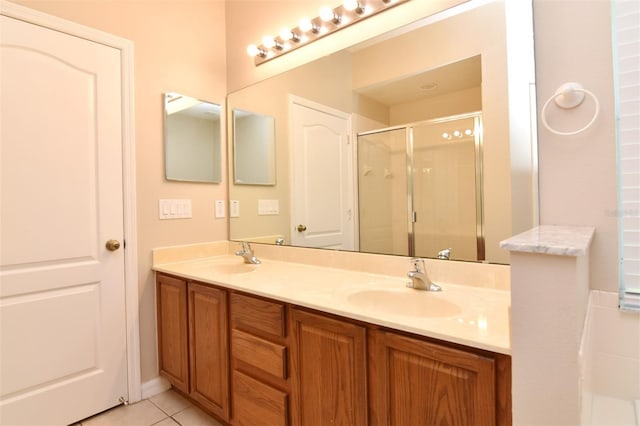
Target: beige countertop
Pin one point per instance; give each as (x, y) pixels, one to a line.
(469, 315)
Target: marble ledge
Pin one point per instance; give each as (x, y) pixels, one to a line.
(552, 240)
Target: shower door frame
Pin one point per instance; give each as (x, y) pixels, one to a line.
(411, 213)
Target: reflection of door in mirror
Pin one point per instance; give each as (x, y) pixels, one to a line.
(253, 148)
(322, 177)
(192, 135)
(419, 189)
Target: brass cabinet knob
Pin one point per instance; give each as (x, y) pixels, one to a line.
(302, 228)
(112, 245)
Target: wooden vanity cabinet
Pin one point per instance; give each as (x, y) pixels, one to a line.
(173, 348)
(292, 366)
(414, 381)
(209, 348)
(328, 370)
(193, 341)
(259, 362)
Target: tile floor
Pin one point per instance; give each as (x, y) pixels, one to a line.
(166, 409)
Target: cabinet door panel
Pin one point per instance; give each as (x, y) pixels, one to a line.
(171, 296)
(209, 349)
(418, 382)
(328, 371)
(255, 403)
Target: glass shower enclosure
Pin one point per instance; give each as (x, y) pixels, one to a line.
(420, 189)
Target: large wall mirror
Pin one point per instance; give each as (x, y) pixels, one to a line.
(416, 143)
(192, 136)
(254, 148)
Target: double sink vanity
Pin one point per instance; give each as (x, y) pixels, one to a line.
(312, 337)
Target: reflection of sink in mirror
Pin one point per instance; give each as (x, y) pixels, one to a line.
(404, 302)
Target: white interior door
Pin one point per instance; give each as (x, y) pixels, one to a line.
(62, 293)
(322, 172)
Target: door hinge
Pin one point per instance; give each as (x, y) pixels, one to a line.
(414, 217)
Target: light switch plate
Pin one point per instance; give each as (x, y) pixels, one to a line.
(268, 207)
(220, 209)
(174, 208)
(234, 208)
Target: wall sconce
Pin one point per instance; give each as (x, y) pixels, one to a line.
(308, 30)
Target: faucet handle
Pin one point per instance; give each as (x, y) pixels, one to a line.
(418, 264)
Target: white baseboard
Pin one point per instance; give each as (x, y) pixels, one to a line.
(154, 386)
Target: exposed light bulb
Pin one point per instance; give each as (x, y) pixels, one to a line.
(253, 50)
(286, 34)
(446, 135)
(352, 5)
(457, 133)
(468, 132)
(305, 25)
(327, 14)
(268, 42)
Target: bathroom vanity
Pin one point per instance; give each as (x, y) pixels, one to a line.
(285, 343)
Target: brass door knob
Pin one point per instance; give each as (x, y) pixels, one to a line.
(112, 245)
(302, 228)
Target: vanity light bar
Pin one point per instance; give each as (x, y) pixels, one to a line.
(309, 30)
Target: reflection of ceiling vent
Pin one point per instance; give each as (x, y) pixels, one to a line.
(429, 86)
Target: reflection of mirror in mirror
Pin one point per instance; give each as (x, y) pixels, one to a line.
(192, 139)
(253, 148)
(437, 68)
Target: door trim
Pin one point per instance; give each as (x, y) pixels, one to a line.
(125, 47)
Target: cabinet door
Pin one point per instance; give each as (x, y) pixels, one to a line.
(171, 298)
(414, 382)
(328, 365)
(208, 348)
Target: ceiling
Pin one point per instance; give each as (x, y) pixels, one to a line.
(449, 78)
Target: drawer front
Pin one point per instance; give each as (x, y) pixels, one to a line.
(255, 403)
(267, 356)
(250, 313)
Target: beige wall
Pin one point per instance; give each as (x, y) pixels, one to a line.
(179, 45)
(255, 18)
(460, 102)
(578, 173)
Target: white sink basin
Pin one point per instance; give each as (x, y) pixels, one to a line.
(234, 267)
(405, 302)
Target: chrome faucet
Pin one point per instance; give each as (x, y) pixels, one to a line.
(247, 253)
(419, 278)
(444, 254)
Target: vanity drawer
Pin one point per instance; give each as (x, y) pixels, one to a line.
(267, 356)
(250, 313)
(255, 403)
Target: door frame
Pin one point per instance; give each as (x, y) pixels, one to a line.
(297, 100)
(125, 47)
